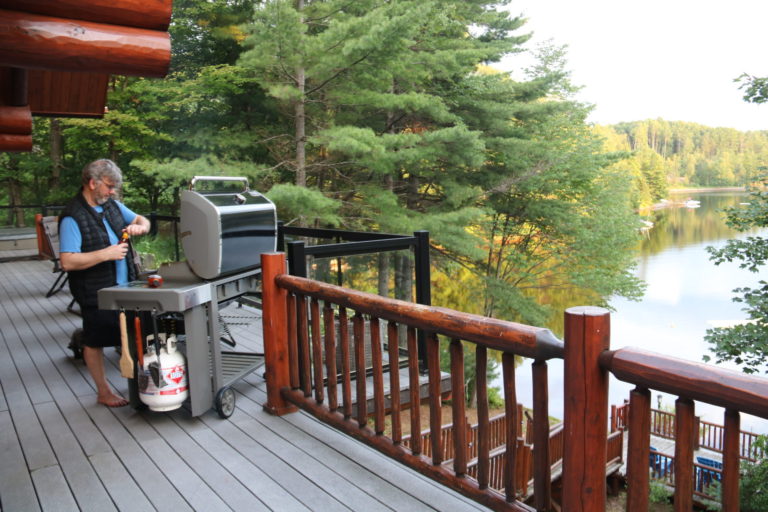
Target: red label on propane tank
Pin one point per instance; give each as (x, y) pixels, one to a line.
(176, 375)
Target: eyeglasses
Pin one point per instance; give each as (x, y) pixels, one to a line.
(110, 186)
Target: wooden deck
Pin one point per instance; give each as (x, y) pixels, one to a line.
(62, 451)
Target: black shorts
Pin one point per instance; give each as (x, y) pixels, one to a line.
(100, 328)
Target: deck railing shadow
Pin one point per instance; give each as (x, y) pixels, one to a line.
(300, 319)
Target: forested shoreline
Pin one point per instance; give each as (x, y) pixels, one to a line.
(391, 116)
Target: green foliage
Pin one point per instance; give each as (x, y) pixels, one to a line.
(684, 154)
(298, 202)
(745, 344)
(755, 88)
(658, 492)
(753, 489)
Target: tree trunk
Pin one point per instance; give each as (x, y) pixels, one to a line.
(300, 120)
(14, 193)
(56, 140)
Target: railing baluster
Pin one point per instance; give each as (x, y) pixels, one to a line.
(378, 377)
(414, 390)
(317, 351)
(293, 343)
(638, 450)
(435, 398)
(358, 326)
(394, 381)
(303, 335)
(483, 434)
(458, 394)
(346, 371)
(730, 490)
(330, 356)
(684, 442)
(510, 407)
(542, 470)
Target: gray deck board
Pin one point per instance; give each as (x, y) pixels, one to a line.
(63, 451)
(53, 492)
(16, 487)
(81, 478)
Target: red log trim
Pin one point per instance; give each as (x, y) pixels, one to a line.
(358, 326)
(67, 93)
(706, 383)
(43, 42)
(638, 450)
(466, 486)
(587, 334)
(330, 356)
(293, 342)
(15, 120)
(378, 377)
(435, 399)
(413, 383)
(305, 361)
(458, 408)
(542, 468)
(15, 142)
(483, 421)
(524, 340)
(151, 14)
(346, 371)
(317, 351)
(730, 495)
(274, 322)
(510, 410)
(684, 448)
(393, 345)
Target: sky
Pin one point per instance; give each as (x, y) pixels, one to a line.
(669, 59)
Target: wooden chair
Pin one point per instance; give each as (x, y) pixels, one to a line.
(50, 249)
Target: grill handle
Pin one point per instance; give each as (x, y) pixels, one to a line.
(218, 178)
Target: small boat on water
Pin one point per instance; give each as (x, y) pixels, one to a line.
(692, 203)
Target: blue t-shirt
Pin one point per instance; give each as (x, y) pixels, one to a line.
(71, 240)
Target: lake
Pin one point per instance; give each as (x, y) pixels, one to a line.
(686, 294)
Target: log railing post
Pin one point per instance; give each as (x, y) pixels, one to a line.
(587, 334)
(730, 492)
(684, 447)
(638, 450)
(275, 326)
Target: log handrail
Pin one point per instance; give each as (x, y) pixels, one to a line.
(697, 381)
(525, 340)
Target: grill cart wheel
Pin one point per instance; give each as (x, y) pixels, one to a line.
(225, 402)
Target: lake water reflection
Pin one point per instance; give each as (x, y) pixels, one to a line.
(686, 294)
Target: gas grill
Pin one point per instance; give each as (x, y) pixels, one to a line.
(223, 235)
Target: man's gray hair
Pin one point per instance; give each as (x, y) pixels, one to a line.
(98, 170)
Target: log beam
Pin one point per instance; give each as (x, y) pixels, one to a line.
(15, 142)
(45, 42)
(150, 14)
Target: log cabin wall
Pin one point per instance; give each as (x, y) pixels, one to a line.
(56, 57)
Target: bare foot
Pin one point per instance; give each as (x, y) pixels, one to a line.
(112, 400)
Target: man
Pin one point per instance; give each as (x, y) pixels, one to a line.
(91, 252)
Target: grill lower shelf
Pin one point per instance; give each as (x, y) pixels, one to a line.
(236, 365)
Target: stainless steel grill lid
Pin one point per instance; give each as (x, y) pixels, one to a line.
(223, 232)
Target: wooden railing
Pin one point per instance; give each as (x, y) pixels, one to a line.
(690, 381)
(299, 319)
(710, 435)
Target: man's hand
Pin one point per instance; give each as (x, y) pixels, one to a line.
(82, 260)
(115, 252)
(139, 226)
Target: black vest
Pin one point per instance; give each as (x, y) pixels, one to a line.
(85, 283)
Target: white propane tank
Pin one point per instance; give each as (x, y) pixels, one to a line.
(173, 385)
